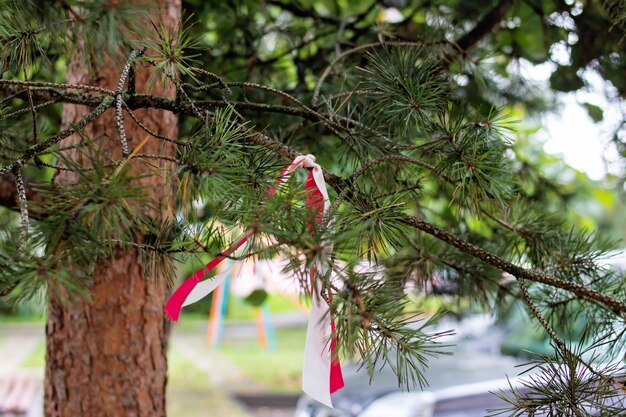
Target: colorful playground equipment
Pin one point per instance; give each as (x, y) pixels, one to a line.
(252, 280)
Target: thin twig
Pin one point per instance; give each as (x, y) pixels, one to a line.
(58, 86)
(157, 156)
(29, 108)
(544, 323)
(44, 145)
(119, 119)
(21, 193)
(33, 112)
(328, 69)
(148, 130)
(555, 338)
(41, 164)
(322, 118)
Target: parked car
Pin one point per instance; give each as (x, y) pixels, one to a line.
(459, 385)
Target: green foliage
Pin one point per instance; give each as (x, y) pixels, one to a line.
(565, 386)
(371, 228)
(216, 150)
(26, 276)
(80, 225)
(594, 111)
(472, 155)
(616, 11)
(167, 49)
(20, 36)
(101, 205)
(107, 25)
(256, 297)
(407, 87)
(373, 326)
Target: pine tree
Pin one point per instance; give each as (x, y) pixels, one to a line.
(105, 350)
(111, 193)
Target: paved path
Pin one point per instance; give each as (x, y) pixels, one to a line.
(220, 371)
(18, 342)
(248, 328)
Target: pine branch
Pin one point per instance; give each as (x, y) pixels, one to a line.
(23, 203)
(56, 93)
(148, 130)
(28, 109)
(286, 152)
(617, 306)
(119, 118)
(59, 86)
(44, 145)
(555, 338)
(329, 68)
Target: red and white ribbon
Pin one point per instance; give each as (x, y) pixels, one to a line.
(321, 374)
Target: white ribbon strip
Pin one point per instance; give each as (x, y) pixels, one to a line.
(317, 354)
(206, 287)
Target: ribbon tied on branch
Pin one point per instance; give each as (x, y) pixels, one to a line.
(321, 374)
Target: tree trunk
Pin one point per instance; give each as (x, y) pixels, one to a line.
(106, 356)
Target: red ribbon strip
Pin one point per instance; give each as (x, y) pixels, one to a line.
(177, 299)
(315, 202)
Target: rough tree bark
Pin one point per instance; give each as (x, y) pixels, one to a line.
(106, 356)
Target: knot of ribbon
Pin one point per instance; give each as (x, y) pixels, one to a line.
(321, 373)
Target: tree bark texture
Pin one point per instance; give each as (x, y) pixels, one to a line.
(106, 356)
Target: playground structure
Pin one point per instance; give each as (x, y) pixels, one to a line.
(244, 277)
(250, 276)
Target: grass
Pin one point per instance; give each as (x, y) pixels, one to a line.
(189, 390)
(183, 374)
(37, 358)
(238, 309)
(22, 318)
(190, 394)
(278, 371)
